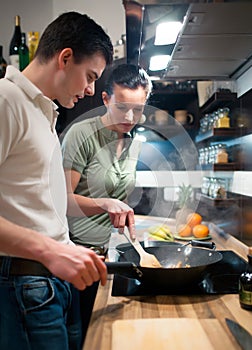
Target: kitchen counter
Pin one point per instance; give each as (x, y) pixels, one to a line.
(108, 309)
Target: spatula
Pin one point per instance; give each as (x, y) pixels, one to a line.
(146, 259)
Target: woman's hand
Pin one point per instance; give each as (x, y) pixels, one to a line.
(121, 215)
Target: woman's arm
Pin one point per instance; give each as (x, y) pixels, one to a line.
(120, 213)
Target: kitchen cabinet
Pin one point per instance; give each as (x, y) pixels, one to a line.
(171, 96)
(223, 134)
(217, 100)
(229, 211)
(206, 140)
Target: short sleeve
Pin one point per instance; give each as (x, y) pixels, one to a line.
(75, 149)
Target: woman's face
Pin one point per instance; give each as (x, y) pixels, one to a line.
(124, 107)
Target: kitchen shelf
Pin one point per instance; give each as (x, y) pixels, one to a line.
(219, 99)
(221, 166)
(218, 202)
(217, 134)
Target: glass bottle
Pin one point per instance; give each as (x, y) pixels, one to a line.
(23, 53)
(245, 285)
(3, 63)
(33, 40)
(15, 43)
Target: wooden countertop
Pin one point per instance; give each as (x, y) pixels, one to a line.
(108, 309)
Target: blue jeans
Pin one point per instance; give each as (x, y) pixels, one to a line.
(38, 313)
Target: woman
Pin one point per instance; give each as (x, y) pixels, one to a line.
(100, 160)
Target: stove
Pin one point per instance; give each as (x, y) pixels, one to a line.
(220, 278)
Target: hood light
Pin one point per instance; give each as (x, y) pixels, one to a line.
(159, 62)
(167, 33)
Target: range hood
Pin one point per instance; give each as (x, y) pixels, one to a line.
(215, 41)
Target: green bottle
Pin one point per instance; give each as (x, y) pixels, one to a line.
(23, 53)
(15, 44)
(245, 285)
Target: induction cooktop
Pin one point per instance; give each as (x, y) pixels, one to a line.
(219, 278)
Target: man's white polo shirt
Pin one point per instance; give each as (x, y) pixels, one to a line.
(32, 181)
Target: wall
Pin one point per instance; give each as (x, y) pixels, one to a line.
(36, 15)
(109, 14)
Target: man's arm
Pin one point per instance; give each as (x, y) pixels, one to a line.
(75, 264)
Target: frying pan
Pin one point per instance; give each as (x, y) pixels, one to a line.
(182, 265)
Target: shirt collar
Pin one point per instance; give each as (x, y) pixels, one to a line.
(47, 105)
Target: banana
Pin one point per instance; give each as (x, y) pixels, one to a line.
(157, 237)
(159, 233)
(153, 229)
(162, 231)
(166, 228)
(156, 228)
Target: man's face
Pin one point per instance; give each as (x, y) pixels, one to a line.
(75, 81)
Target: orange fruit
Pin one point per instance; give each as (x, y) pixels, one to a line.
(200, 231)
(184, 230)
(194, 219)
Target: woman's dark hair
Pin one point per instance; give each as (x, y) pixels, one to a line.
(78, 32)
(129, 76)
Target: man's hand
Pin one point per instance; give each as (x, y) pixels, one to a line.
(75, 264)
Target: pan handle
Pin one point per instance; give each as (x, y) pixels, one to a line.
(209, 245)
(123, 268)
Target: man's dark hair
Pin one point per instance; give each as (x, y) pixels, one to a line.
(78, 32)
(128, 76)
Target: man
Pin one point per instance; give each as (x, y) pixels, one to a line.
(37, 259)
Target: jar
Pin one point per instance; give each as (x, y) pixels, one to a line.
(223, 120)
(205, 185)
(222, 155)
(220, 190)
(201, 156)
(212, 186)
(211, 155)
(206, 155)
